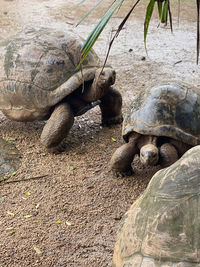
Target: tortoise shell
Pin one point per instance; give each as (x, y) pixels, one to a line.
(38, 69)
(162, 228)
(170, 110)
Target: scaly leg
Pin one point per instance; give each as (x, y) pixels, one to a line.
(122, 158)
(168, 155)
(110, 106)
(57, 128)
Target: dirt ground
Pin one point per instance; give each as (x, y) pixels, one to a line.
(64, 210)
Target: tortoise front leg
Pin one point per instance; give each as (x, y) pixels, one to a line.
(57, 128)
(180, 146)
(122, 158)
(168, 155)
(111, 105)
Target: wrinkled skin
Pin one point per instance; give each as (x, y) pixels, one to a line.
(152, 151)
(39, 81)
(162, 123)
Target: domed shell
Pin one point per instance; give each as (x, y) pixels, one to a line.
(169, 110)
(162, 228)
(38, 68)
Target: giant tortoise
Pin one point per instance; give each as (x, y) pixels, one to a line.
(163, 122)
(162, 227)
(39, 80)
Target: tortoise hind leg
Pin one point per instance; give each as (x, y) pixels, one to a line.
(110, 106)
(57, 128)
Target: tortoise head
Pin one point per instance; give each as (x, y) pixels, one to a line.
(105, 76)
(103, 79)
(149, 154)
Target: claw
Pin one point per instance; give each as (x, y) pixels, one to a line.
(57, 149)
(114, 120)
(121, 174)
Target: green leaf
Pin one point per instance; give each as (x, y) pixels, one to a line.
(165, 11)
(113, 139)
(27, 193)
(72, 168)
(160, 4)
(98, 3)
(80, 3)
(149, 12)
(98, 29)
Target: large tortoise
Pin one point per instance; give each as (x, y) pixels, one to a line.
(39, 80)
(162, 227)
(163, 122)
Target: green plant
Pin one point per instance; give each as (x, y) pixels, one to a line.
(164, 12)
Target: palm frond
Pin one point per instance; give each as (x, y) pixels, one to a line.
(98, 29)
(149, 12)
(198, 4)
(87, 14)
(160, 5)
(79, 4)
(170, 16)
(119, 29)
(164, 13)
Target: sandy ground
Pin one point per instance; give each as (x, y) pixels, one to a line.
(64, 210)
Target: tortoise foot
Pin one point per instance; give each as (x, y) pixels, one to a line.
(121, 174)
(57, 149)
(111, 121)
(122, 159)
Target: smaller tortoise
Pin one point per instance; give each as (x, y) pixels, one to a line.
(162, 123)
(162, 227)
(39, 81)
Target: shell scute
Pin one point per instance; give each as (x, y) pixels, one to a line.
(169, 110)
(36, 64)
(168, 213)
